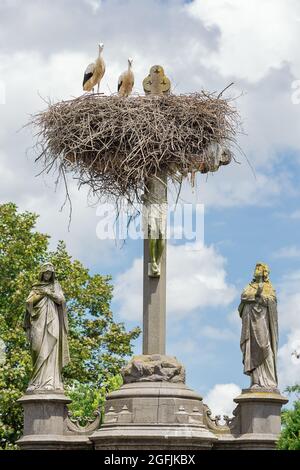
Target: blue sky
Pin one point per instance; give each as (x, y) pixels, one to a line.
(45, 48)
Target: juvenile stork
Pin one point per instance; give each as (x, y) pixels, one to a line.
(94, 72)
(126, 80)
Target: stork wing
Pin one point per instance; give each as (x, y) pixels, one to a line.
(120, 81)
(89, 71)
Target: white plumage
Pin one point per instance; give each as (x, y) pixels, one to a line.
(94, 72)
(126, 80)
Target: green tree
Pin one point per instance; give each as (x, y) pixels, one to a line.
(290, 434)
(98, 345)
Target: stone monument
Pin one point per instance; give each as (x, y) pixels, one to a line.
(47, 424)
(46, 326)
(154, 409)
(257, 420)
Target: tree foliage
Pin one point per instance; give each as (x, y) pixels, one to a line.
(98, 345)
(290, 435)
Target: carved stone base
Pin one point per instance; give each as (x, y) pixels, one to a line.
(257, 422)
(153, 415)
(47, 424)
(153, 368)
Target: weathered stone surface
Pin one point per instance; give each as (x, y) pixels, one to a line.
(46, 325)
(153, 368)
(260, 412)
(47, 425)
(259, 336)
(153, 415)
(55, 442)
(256, 423)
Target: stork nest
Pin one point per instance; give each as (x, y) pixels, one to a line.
(115, 145)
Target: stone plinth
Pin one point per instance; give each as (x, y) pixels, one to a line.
(153, 415)
(46, 423)
(257, 422)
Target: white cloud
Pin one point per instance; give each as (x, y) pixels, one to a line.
(287, 252)
(295, 215)
(220, 398)
(41, 198)
(93, 4)
(54, 67)
(289, 322)
(217, 334)
(196, 278)
(222, 190)
(129, 291)
(234, 320)
(289, 302)
(288, 363)
(254, 37)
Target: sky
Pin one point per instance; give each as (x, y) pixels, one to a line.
(251, 207)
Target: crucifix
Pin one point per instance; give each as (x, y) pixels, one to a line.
(155, 218)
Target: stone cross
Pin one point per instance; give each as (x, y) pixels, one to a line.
(154, 287)
(154, 294)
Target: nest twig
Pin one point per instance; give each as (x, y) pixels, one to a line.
(114, 145)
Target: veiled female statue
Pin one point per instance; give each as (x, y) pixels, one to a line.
(46, 325)
(259, 338)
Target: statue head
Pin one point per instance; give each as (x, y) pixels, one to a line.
(47, 272)
(261, 272)
(157, 69)
(156, 82)
(226, 156)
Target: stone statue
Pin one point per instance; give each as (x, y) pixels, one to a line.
(46, 325)
(259, 337)
(155, 211)
(156, 83)
(215, 155)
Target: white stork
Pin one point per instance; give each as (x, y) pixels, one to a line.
(126, 80)
(94, 72)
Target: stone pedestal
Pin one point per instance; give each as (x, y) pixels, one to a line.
(257, 421)
(46, 424)
(153, 415)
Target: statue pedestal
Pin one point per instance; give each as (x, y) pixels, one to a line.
(46, 423)
(153, 415)
(257, 422)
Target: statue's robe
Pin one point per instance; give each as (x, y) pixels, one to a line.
(46, 324)
(259, 337)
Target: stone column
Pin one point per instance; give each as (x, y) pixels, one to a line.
(154, 307)
(154, 292)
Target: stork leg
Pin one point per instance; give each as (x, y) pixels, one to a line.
(98, 86)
